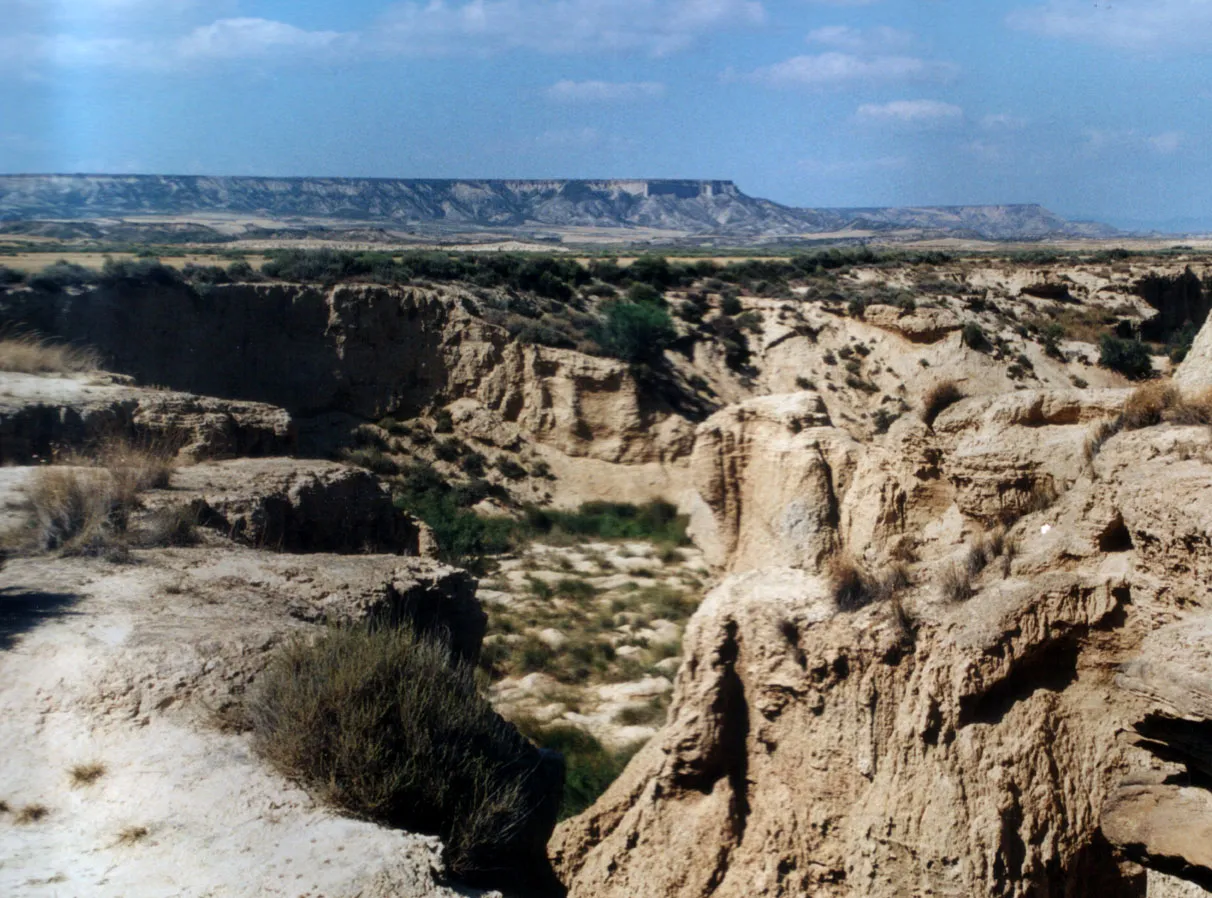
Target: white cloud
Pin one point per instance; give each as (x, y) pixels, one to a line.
(1167, 143)
(1143, 25)
(1099, 140)
(856, 40)
(655, 27)
(227, 39)
(1002, 121)
(253, 38)
(909, 112)
(604, 91)
(842, 69)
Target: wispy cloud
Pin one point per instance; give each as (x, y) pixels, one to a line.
(1099, 140)
(1167, 143)
(1002, 121)
(858, 40)
(844, 69)
(560, 26)
(226, 39)
(604, 91)
(1138, 25)
(909, 112)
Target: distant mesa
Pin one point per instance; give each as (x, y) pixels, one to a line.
(690, 207)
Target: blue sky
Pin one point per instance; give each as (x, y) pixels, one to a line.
(1098, 110)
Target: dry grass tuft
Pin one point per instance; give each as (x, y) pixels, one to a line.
(32, 813)
(852, 587)
(955, 583)
(1162, 402)
(31, 354)
(940, 396)
(1147, 404)
(132, 835)
(86, 774)
(85, 509)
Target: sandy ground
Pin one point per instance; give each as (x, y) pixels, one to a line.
(103, 664)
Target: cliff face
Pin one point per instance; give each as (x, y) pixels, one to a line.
(362, 351)
(947, 742)
(693, 206)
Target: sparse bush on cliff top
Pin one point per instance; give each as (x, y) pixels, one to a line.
(940, 396)
(1156, 403)
(387, 725)
(635, 331)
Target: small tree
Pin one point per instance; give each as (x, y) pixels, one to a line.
(635, 331)
(1129, 357)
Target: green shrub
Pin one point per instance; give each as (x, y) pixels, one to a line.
(589, 768)
(1129, 357)
(388, 725)
(645, 293)
(61, 275)
(510, 468)
(635, 332)
(448, 450)
(974, 337)
(462, 536)
(730, 304)
(656, 521)
(443, 422)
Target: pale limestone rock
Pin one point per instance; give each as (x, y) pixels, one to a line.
(768, 473)
(923, 325)
(295, 505)
(1195, 372)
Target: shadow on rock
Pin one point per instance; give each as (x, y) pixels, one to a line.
(21, 610)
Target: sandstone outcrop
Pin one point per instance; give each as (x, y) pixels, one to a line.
(295, 506)
(42, 415)
(1195, 372)
(768, 473)
(363, 350)
(971, 747)
(917, 326)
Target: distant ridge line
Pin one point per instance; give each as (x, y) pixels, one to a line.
(691, 206)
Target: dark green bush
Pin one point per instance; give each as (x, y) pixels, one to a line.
(730, 304)
(61, 275)
(657, 521)
(1129, 357)
(635, 331)
(388, 725)
(645, 293)
(463, 537)
(974, 337)
(589, 768)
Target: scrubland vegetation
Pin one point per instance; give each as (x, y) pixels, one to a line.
(86, 504)
(33, 355)
(390, 726)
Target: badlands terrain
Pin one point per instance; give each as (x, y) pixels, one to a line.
(849, 573)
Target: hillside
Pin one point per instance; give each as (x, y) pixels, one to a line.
(684, 206)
